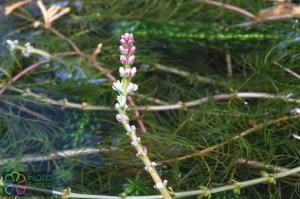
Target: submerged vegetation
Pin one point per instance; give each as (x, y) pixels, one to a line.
(217, 105)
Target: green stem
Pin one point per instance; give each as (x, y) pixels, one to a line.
(145, 159)
(36, 51)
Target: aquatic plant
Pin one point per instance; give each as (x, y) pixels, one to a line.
(125, 88)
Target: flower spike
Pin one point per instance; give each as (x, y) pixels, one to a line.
(125, 88)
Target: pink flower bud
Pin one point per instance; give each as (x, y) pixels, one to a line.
(123, 50)
(130, 36)
(121, 71)
(119, 117)
(127, 72)
(123, 59)
(130, 88)
(131, 49)
(130, 59)
(130, 42)
(133, 71)
(126, 35)
(123, 42)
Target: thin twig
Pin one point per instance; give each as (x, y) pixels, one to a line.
(137, 115)
(229, 64)
(182, 105)
(106, 72)
(261, 165)
(63, 103)
(53, 13)
(59, 154)
(288, 70)
(241, 184)
(11, 8)
(97, 51)
(240, 135)
(22, 73)
(271, 18)
(230, 7)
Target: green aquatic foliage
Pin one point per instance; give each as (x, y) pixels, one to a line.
(227, 195)
(136, 186)
(193, 31)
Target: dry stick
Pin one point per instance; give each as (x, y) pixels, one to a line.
(230, 7)
(20, 74)
(11, 8)
(51, 14)
(106, 72)
(60, 154)
(228, 62)
(242, 134)
(137, 115)
(63, 103)
(260, 165)
(272, 18)
(182, 105)
(288, 70)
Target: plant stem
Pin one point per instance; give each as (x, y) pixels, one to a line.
(66, 104)
(179, 194)
(36, 51)
(144, 157)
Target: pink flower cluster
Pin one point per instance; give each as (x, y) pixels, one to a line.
(128, 72)
(125, 87)
(127, 49)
